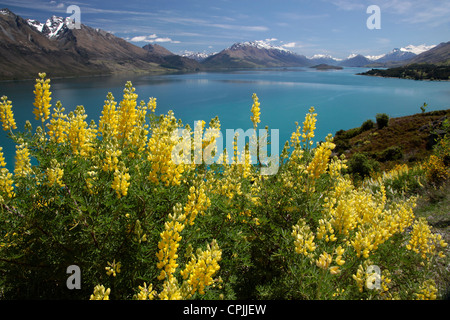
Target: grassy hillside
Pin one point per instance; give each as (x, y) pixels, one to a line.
(405, 140)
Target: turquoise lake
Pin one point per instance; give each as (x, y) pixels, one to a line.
(342, 99)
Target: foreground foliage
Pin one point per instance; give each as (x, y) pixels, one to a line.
(111, 198)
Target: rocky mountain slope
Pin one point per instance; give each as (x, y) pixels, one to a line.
(28, 47)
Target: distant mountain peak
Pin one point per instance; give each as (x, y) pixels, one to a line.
(259, 44)
(417, 49)
(52, 28)
(198, 56)
(6, 11)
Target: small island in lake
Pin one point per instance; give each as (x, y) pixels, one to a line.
(324, 66)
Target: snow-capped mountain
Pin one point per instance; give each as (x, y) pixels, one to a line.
(258, 44)
(52, 28)
(417, 49)
(197, 56)
(324, 59)
(255, 54)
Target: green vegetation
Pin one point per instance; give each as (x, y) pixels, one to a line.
(382, 120)
(112, 198)
(423, 71)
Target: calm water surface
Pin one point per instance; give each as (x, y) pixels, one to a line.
(341, 98)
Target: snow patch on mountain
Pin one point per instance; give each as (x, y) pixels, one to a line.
(259, 44)
(417, 49)
(52, 27)
(198, 56)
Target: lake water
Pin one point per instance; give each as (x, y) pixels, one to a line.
(342, 99)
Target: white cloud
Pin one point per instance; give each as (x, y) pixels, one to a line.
(151, 39)
(289, 45)
(144, 38)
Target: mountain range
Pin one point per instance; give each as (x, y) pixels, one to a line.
(28, 47)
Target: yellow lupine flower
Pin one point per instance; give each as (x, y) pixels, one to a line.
(113, 268)
(6, 181)
(42, 98)
(108, 124)
(121, 181)
(160, 146)
(423, 241)
(58, 125)
(146, 293)
(309, 125)
(100, 293)
(23, 164)
(80, 135)
(255, 111)
(169, 243)
(54, 174)
(197, 203)
(303, 238)
(127, 112)
(6, 114)
(171, 290)
(201, 268)
(319, 163)
(324, 260)
(151, 105)
(427, 291)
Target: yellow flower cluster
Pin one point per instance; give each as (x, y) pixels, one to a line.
(54, 174)
(113, 268)
(42, 98)
(160, 146)
(6, 114)
(6, 181)
(197, 203)
(201, 268)
(23, 163)
(319, 163)
(108, 124)
(146, 293)
(80, 135)
(168, 246)
(349, 209)
(427, 291)
(325, 259)
(303, 238)
(436, 169)
(424, 242)
(111, 161)
(100, 293)
(255, 111)
(309, 125)
(121, 181)
(58, 125)
(171, 290)
(127, 112)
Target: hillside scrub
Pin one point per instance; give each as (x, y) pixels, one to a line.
(109, 198)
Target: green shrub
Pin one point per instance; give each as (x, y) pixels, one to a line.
(361, 166)
(382, 120)
(391, 153)
(367, 125)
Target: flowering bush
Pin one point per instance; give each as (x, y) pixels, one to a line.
(113, 199)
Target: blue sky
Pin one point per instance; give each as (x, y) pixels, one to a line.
(335, 27)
